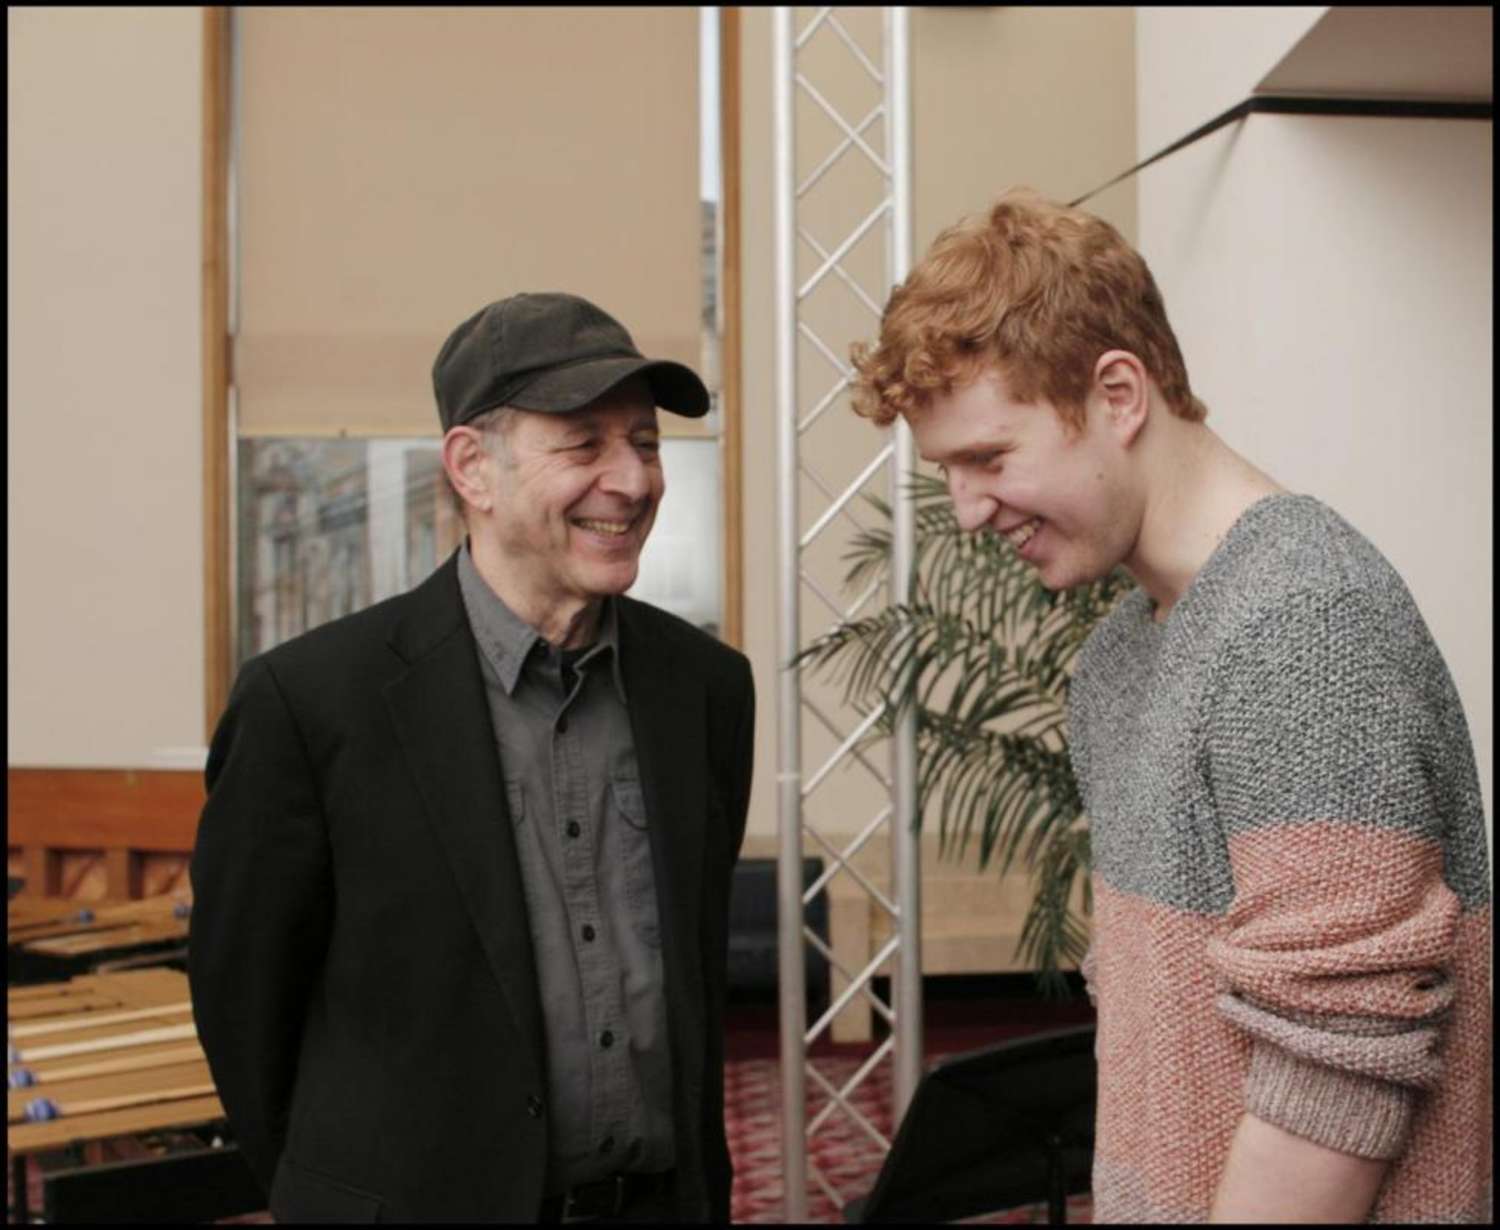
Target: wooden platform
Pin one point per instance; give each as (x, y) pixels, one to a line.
(971, 919)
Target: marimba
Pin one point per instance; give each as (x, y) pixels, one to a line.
(49, 940)
(116, 1054)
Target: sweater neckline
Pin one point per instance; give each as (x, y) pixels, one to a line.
(1243, 525)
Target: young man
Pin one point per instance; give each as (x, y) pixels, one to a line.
(461, 886)
(1291, 950)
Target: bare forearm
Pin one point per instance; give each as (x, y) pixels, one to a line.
(1273, 1176)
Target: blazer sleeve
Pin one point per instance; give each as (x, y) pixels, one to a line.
(741, 765)
(734, 763)
(262, 910)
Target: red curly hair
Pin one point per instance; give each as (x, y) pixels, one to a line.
(1038, 289)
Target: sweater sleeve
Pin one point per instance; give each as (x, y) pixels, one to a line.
(1337, 954)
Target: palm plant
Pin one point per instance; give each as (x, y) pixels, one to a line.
(981, 653)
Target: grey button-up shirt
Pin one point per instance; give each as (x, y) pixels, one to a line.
(573, 787)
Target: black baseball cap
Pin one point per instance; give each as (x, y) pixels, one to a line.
(551, 352)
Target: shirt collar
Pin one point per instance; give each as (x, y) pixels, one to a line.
(609, 640)
(507, 641)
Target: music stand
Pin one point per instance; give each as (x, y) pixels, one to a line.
(1007, 1125)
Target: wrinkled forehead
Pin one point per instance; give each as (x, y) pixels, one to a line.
(615, 411)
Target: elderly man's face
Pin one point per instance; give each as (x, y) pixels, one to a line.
(575, 496)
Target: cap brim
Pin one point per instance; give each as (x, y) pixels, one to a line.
(674, 386)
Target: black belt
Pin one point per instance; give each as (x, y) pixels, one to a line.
(604, 1198)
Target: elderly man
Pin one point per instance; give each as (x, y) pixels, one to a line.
(462, 879)
(1291, 884)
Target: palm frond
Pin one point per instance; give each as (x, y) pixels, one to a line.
(1052, 935)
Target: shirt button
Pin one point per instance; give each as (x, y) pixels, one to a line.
(606, 1039)
(607, 1145)
(588, 934)
(573, 828)
(534, 1106)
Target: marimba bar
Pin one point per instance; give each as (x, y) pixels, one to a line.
(48, 941)
(108, 1055)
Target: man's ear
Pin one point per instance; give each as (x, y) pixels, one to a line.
(464, 461)
(1123, 391)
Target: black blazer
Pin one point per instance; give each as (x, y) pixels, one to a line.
(360, 961)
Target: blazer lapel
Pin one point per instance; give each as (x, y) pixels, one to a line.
(443, 721)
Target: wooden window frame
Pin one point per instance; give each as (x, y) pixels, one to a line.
(218, 587)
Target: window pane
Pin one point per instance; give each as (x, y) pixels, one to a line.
(330, 526)
(680, 568)
(327, 527)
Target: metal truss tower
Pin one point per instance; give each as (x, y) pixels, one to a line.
(829, 292)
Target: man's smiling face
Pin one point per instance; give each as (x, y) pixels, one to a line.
(1016, 469)
(576, 494)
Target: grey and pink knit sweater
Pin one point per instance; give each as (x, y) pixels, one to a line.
(1291, 880)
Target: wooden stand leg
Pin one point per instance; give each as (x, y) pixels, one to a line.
(20, 1197)
(122, 873)
(43, 872)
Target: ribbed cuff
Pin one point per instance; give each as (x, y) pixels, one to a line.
(1339, 1110)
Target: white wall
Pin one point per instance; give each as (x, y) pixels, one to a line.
(105, 630)
(1196, 61)
(1330, 282)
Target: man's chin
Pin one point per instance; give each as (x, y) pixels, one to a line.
(605, 582)
(1055, 577)
(1062, 582)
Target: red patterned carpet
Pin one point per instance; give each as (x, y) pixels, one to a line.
(959, 1015)
(845, 1154)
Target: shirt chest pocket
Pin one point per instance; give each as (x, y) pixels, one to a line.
(535, 869)
(633, 843)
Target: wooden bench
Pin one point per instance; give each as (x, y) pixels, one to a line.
(112, 834)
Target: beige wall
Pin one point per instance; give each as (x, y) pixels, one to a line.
(1021, 94)
(105, 647)
(1000, 96)
(1330, 282)
(1195, 61)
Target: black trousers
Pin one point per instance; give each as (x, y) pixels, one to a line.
(656, 1204)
